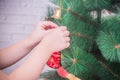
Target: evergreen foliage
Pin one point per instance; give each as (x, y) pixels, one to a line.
(94, 53)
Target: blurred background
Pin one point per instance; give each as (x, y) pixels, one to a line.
(17, 20)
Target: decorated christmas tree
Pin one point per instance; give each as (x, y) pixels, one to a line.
(94, 53)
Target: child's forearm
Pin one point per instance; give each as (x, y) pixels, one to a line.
(31, 69)
(12, 54)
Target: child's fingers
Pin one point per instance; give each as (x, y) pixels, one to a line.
(47, 25)
(66, 33)
(67, 45)
(63, 28)
(67, 39)
(51, 24)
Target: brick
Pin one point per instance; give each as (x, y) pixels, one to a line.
(5, 37)
(3, 18)
(11, 28)
(18, 37)
(4, 44)
(9, 4)
(31, 9)
(39, 5)
(28, 28)
(19, 19)
(26, 3)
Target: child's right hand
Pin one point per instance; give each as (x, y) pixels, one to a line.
(57, 39)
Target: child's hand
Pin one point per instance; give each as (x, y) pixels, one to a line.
(41, 29)
(57, 39)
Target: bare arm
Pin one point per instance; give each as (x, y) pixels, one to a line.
(3, 76)
(12, 54)
(32, 68)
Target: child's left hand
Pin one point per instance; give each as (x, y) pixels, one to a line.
(41, 29)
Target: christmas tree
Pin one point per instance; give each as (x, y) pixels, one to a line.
(94, 25)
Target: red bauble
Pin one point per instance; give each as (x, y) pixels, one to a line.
(55, 60)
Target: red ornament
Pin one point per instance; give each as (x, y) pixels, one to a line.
(55, 60)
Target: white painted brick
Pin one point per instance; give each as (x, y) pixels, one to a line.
(9, 4)
(35, 3)
(19, 19)
(3, 18)
(23, 11)
(24, 7)
(24, 3)
(40, 3)
(4, 44)
(28, 28)
(9, 1)
(17, 37)
(5, 37)
(11, 28)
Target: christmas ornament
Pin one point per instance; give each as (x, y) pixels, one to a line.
(55, 62)
(57, 13)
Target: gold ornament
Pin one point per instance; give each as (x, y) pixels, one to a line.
(72, 77)
(74, 61)
(57, 13)
(117, 46)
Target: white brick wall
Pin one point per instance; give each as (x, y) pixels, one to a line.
(17, 20)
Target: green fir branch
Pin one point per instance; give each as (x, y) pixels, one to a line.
(85, 19)
(109, 69)
(80, 35)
